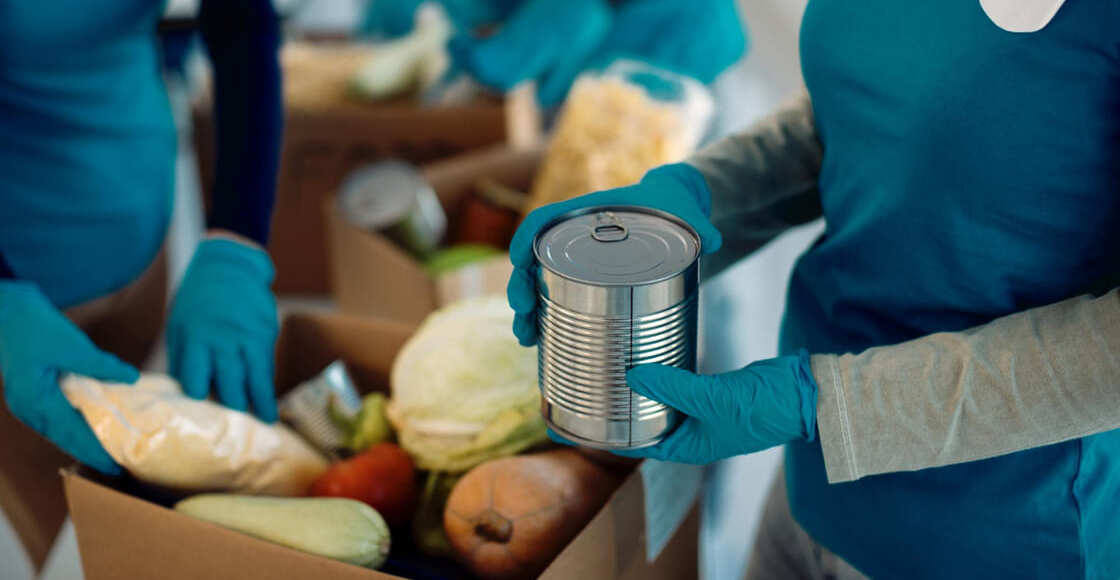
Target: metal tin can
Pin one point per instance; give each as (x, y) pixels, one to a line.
(617, 287)
(392, 197)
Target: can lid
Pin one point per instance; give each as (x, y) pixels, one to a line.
(381, 194)
(617, 246)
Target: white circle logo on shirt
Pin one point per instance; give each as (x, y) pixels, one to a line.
(1021, 15)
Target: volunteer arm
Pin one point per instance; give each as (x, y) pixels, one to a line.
(763, 180)
(1033, 378)
(243, 39)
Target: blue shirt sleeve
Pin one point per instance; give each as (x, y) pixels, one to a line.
(243, 38)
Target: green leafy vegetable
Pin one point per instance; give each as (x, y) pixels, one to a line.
(464, 390)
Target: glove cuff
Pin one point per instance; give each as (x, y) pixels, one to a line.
(16, 293)
(688, 176)
(807, 387)
(251, 260)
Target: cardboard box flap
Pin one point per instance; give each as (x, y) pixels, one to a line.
(612, 545)
(308, 343)
(368, 272)
(455, 177)
(125, 538)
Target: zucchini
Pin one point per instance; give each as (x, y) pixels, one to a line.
(341, 529)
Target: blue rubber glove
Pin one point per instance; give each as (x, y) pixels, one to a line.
(395, 18)
(767, 403)
(678, 189)
(549, 41)
(222, 328)
(696, 38)
(552, 41)
(37, 345)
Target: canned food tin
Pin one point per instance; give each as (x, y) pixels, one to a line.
(394, 198)
(617, 288)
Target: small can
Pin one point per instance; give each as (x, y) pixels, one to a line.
(392, 197)
(617, 287)
(489, 214)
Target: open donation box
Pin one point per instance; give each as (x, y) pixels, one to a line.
(647, 530)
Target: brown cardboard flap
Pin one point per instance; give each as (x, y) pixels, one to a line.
(309, 342)
(454, 177)
(125, 538)
(612, 546)
(372, 276)
(30, 492)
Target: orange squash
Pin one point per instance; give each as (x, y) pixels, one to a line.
(508, 518)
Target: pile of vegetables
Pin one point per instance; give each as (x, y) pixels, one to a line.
(464, 401)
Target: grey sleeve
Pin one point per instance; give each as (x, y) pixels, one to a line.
(1030, 379)
(763, 180)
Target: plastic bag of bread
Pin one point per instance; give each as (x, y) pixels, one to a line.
(165, 438)
(617, 125)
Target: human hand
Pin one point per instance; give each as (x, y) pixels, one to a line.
(223, 326)
(37, 345)
(767, 403)
(547, 41)
(678, 189)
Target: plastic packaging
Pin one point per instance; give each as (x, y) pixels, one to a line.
(618, 124)
(166, 438)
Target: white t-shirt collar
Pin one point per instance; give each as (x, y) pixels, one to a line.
(1021, 15)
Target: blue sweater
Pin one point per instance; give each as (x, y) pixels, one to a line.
(968, 173)
(87, 142)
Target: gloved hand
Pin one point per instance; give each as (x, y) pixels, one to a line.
(767, 403)
(696, 38)
(553, 41)
(678, 189)
(549, 41)
(222, 328)
(394, 18)
(37, 344)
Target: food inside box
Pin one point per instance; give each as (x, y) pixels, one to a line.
(419, 452)
(378, 271)
(405, 241)
(423, 453)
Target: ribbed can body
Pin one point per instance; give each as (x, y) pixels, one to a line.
(590, 334)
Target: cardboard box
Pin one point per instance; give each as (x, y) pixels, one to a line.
(327, 134)
(373, 276)
(126, 532)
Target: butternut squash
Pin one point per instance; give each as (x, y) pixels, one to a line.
(508, 518)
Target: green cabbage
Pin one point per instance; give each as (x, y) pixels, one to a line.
(463, 390)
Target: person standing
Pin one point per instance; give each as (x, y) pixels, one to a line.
(948, 390)
(87, 159)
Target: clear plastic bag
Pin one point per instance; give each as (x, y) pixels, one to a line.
(618, 124)
(166, 438)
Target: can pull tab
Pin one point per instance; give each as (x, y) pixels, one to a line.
(609, 229)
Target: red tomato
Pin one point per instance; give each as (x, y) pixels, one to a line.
(382, 476)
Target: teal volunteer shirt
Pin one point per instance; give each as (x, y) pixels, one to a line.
(968, 173)
(87, 144)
